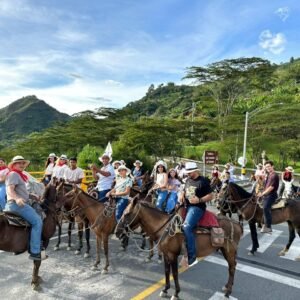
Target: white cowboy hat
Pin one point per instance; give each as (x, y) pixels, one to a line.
(259, 165)
(17, 159)
(52, 155)
(122, 167)
(190, 167)
(161, 163)
(290, 169)
(138, 162)
(117, 162)
(63, 157)
(123, 162)
(105, 155)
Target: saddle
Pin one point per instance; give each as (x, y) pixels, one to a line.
(279, 203)
(15, 219)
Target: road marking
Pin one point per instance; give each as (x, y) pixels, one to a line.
(159, 284)
(246, 232)
(295, 283)
(266, 240)
(294, 250)
(220, 296)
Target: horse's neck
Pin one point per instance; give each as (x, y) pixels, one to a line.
(151, 222)
(246, 206)
(92, 208)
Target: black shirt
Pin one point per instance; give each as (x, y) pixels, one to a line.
(199, 187)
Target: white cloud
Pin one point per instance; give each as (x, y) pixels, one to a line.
(274, 43)
(283, 13)
(72, 36)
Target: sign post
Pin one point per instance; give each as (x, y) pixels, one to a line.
(209, 158)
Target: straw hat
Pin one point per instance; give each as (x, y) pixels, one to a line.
(122, 167)
(191, 167)
(63, 157)
(117, 162)
(105, 155)
(18, 159)
(138, 162)
(161, 163)
(52, 155)
(289, 169)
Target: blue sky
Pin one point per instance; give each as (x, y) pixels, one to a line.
(79, 54)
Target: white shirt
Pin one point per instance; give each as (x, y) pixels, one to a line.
(105, 182)
(73, 175)
(59, 172)
(49, 169)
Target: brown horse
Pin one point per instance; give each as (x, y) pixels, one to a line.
(69, 216)
(159, 226)
(100, 216)
(248, 206)
(15, 239)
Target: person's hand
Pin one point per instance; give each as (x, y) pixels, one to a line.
(194, 200)
(259, 194)
(20, 202)
(93, 167)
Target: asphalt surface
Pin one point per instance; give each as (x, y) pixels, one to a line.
(69, 276)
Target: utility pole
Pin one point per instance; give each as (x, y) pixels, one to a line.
(193, 115)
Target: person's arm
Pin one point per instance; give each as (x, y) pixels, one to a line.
(165, 183)
(119, 194)
(13, 195)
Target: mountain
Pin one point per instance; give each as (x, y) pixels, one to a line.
(26, 115)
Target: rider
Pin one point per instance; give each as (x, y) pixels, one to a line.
(60, 167)
(138, 173)
(105, 176)
(18, 202)
(269, 195)
(3, 172)
(73, 174)
(196, 193)
(260, 176)
(161, 183)
(173, 187)
(215, 173)
(286, 177)
(49, 165)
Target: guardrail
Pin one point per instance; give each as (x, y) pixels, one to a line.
(88, 177)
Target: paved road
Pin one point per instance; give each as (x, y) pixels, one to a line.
(264, 276)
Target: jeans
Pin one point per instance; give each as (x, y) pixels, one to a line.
(268, 201)
(121, 205)
(30, 215)
(139, 182)
(194, 214)
(171, 202)
(161, 197)
(102, 195)
(2, 196)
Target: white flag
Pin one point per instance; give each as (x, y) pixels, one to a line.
(108, 150)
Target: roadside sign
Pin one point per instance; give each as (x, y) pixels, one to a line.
(242, 162)
(210, 157)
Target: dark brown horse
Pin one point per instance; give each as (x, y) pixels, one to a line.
(69, 216)
(15, 239)
(248, 206)
(158, 226)
(100, 216)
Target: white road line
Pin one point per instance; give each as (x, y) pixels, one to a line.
(294, 250)
(266, 240)
(246, 232)
(295, 283)
(220, 296)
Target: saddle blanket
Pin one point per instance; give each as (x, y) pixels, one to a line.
(208, 220)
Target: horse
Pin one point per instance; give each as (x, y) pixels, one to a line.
(160, 227)
(16, 239)
(69, 216)
(215, 184)
(100, 216)
(251, 211)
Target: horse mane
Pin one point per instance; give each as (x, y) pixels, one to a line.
(89, 196)
(149, 205)
(242, 192)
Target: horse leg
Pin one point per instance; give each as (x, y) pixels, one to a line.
(36, 279)
(143, 241)
(69, 235)
(229, 252)
(58, 237)
(298, 257)
(292, 236)
(87, 238)
(80, 234)
(98, 247)
(151, 252)
(105, 244)
(253, 231)
(164, 292)
(174, 266)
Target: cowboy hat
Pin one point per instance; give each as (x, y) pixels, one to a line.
(259, 165)
(160, 163)
(122, 167)
(190, 167)
(138, 162)
(63, 157)
(18, 159)
(52, 155)
(123, 162)
(117, 162)
(105, 155)
(289, 169)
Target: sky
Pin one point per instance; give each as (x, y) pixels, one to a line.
(81, 55)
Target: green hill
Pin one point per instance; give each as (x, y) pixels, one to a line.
(27, 115)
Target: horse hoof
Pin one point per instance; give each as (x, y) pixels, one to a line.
(147, 260)
(297, 258)
(250, 253)
(86, 255)
(224, 289)
(35, 287)
(94, 268)
(56, 248)
(103, 272)
(163, 294)
(281, 253)
(77, 252)
(69, 248)
(174, 298)
(40, 280)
